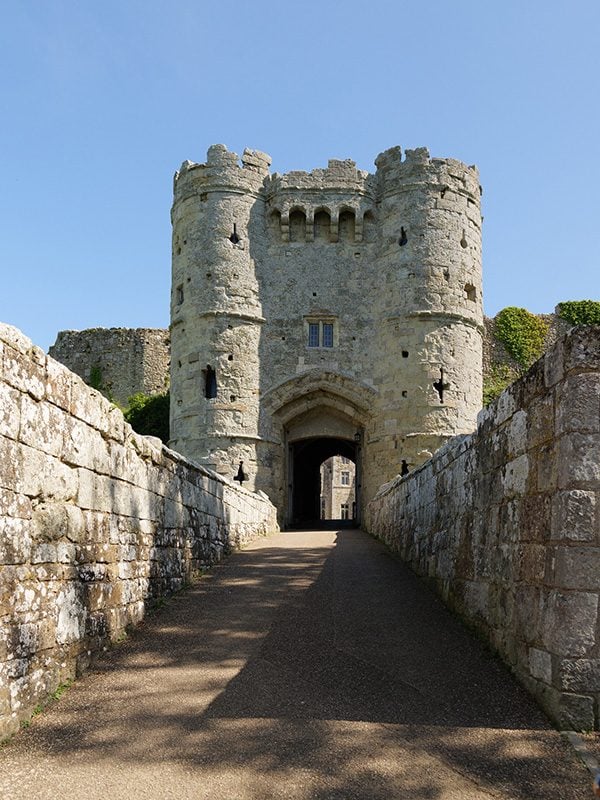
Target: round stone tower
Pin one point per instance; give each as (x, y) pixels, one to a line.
(429, 369)
(216, 314)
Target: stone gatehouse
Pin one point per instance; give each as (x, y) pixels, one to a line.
(335, 312)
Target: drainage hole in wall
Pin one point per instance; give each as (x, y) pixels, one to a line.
(405, 354)
(230, 357)
(233, 398)
(405, 393)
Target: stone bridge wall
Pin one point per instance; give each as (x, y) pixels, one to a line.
(95, 521)
(505, 523)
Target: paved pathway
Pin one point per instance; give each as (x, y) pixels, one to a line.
(310, 666)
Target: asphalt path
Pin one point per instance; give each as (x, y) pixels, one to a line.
(311, 665)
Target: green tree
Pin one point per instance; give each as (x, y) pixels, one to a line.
(149, 414)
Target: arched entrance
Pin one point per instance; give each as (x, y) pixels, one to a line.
(316, 415)
(306, 457)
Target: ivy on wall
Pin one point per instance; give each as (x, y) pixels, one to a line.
(149, 414)
(580, 312)
(522, 333)
(495, 382)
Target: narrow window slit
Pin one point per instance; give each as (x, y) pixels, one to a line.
(210, 382)
(441, 386)
(234, 238)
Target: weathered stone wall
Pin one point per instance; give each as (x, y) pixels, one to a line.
(95, 520)
(123, 361)
(335, 292)
(505, 522)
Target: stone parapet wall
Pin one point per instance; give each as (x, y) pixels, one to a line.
(505, 523)
(95, 521)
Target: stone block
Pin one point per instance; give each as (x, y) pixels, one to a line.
(42, 426)
(58, 384)
(575, 712)
(15, 540)
(85, 447)
(578, 459)
(45, 477)
(535, 518)
(540, 421)
(44, 553)
(545, 467)
(70, 614)
(11, 459)
(577, 568)
(90, 406)
(524, 620)
(95, 492)
(14, 505)
(574, 515)
(569, 623)
(553, 365)
(578, 404)
(515, 476)
(14, 338)
(582, 349)
(517, 434)
(10, 411)
(540, 665)
(23, 373)
(530, 563)
(580, 676)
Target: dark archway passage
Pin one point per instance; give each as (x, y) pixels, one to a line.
(306, 457)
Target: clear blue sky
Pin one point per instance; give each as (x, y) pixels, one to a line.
(101, 102)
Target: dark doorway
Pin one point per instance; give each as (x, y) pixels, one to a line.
(306, 457)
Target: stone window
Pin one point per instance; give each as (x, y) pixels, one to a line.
(320, 332)
(344, 511)
(345, 477)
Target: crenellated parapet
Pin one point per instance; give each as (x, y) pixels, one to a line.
(221, 171)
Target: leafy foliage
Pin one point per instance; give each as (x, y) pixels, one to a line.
(499, 377)
(95, 379)
(522, 334)
(580, 312)
(149, 414)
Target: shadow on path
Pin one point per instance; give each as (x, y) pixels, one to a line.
(312, 665)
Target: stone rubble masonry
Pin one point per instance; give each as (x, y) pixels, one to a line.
(505, 522)
(95, 522)
(126, 360)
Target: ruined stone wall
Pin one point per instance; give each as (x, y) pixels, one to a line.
(118, 361)
(95, 521)
(505, 522)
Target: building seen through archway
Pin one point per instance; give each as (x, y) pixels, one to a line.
(337, 498)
